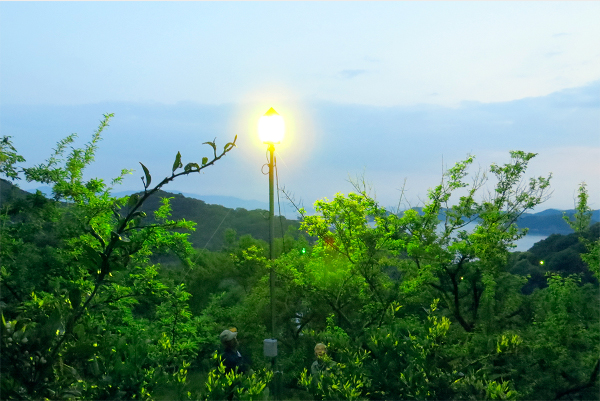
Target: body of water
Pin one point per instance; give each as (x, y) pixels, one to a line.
(527, 242)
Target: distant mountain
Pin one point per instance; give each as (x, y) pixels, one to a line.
(10, 191)
(547, 222)
(557, 254)
(226, 201)
(215, 213)
(211, 220)
(550, 221)
(548, 212)
(45, 189)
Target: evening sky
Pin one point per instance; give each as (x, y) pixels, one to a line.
(388, 90)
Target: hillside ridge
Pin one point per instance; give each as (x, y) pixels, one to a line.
(214, 219)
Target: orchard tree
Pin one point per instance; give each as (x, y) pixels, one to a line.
(390, 256)
(466, 266)
(72, 271)
(581, 222)
(373, 270)
(8, 158)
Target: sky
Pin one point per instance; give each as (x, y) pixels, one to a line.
(391, 92)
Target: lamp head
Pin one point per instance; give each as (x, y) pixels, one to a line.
(271, 127)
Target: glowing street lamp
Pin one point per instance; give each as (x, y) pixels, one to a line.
(271, 127)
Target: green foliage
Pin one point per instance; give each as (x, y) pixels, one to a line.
(583, 213)
(563, 339)
(336, 384)
(592, 257)
(105, 297)
(464, 268)
(409, 360)
(8, 159)
(563, 254)
(582, 221)
(232, 385)
(74, 272)
(370, 270)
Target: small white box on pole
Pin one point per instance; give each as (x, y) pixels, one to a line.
(270, 347)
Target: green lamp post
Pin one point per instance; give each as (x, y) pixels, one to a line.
(270, 130)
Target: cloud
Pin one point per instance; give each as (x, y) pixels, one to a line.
(388, 143)
(349, 74)
(372, 59)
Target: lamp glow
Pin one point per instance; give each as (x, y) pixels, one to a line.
(271, 127)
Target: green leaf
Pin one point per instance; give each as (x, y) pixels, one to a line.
(177, 164)
(133, 199)
(212, 144)
(148, 177)
(92, 254)
(204, 160)
(190, 166)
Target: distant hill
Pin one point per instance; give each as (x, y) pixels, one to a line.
(10, 191)
(212, 220)
(547, 222)
(557, 254)
(550, 221)
(227, 201)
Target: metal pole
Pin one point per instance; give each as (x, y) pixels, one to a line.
(272, 257)
(272, 236)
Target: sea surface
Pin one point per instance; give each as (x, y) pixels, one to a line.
(527, 242)
(523, 245)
